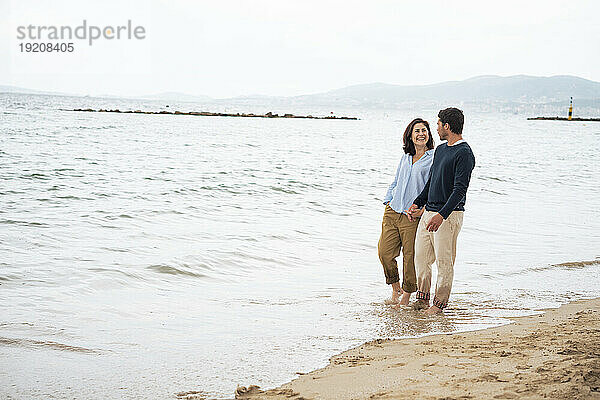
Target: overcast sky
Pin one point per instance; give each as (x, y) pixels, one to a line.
(230, 48)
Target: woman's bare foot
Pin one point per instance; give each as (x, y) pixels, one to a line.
(394, 299)
(403, 302)
(404, 299)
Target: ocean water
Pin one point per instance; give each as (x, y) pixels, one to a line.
(146, 256)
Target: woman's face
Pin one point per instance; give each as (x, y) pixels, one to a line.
(420, 135)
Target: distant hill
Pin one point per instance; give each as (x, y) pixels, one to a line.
(518, 88)
(171, 96)
(488, 89)
(15, 89)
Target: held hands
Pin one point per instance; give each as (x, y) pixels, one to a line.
(434, 223)
(414, 212)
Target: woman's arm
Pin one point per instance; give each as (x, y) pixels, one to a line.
(390, 192)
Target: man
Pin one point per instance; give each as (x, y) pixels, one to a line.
(444, 200)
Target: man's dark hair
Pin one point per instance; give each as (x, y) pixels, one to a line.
(453, 117)
(409, 146)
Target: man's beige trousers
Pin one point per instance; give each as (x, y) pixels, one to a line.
(440, 247)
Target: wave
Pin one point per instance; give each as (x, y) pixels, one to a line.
(566, 265)
(167, 269)
(541, 268)
(24, 223)
(35, 175)
(45, 344)
(577, 264)
(280, 189)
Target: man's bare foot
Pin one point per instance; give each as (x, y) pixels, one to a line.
(420, 305)
(433, 310)
(404, 298)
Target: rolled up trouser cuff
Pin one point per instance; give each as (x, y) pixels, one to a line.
(423, 295)
(439, 303)
(409, 288)
(392, 279)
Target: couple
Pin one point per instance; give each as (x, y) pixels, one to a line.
(424, 209)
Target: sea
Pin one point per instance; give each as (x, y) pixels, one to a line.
(172, 256)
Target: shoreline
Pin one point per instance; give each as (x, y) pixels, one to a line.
(555, 355)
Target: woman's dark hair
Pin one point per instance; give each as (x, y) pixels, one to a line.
(453, 117)
(409, 146)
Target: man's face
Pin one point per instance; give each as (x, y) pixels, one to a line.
(442, 131)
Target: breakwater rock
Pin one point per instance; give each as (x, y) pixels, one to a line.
(212, 114)
(561, 119)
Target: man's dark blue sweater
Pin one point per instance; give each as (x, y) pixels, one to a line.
(446, 188)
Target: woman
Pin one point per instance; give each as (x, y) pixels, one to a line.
(398, 229)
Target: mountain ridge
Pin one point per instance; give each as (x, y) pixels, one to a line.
(482, 88)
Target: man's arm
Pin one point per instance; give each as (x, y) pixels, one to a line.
(462, 176)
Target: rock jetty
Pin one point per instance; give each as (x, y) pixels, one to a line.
(561, 119)
(212, 114)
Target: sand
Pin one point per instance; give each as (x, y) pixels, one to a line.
(555, 355)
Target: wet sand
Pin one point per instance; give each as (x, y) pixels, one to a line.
(553, 355)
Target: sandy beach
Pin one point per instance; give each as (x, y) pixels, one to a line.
(552, 355)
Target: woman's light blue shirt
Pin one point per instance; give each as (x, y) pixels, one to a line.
(409, 182)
